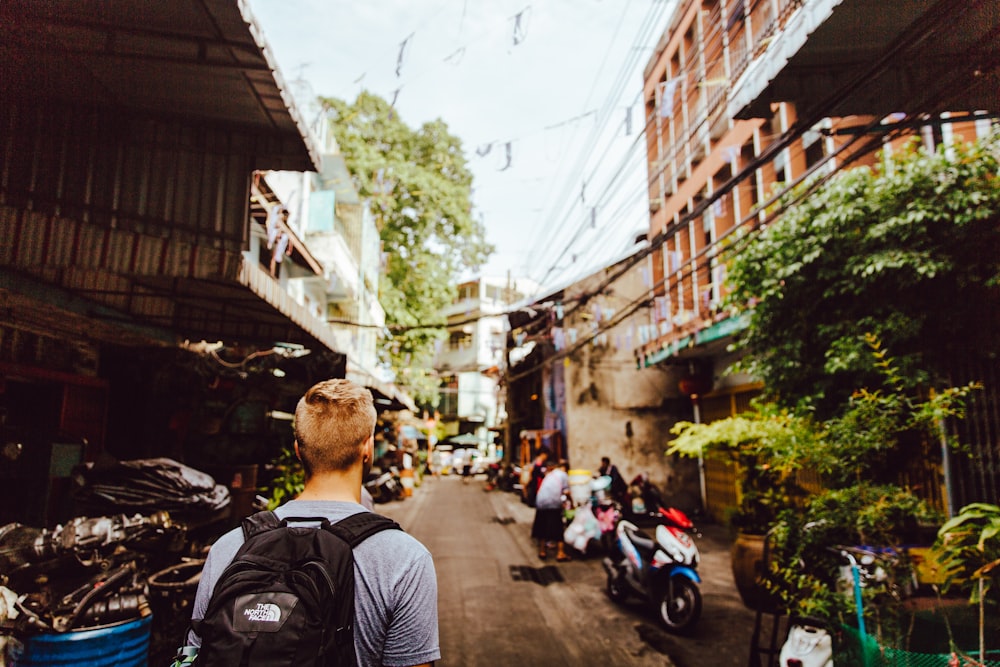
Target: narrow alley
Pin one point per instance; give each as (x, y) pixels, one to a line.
(500, 605)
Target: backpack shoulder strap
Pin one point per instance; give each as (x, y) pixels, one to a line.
(258, 523)
(356, 528)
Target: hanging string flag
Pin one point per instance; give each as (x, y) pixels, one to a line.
(395, 96)
(717, 207)
(731, 153)
(399, 58)
(509, 152)
(583, 192)
(558, 338)
(593, 217)
(668, 89)
(675, 261)
(628, 121)
(520, 32)
(484, 150)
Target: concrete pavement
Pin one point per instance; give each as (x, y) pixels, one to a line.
(500, 605)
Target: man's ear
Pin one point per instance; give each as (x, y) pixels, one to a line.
(368, 450)
(295, 445)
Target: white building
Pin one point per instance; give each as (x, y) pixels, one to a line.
(469, 360)
(337, 275)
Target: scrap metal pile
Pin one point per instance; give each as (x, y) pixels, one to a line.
(92, 571)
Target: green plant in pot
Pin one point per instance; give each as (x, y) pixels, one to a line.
(967, 553)
(288, 478)
(763, 445)
(864, 502)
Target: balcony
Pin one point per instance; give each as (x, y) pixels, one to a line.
(864, 57)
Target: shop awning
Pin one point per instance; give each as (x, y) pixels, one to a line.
(387, 395)
(144, 289)
(197, 59)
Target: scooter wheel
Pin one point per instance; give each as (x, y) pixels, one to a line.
(679, 605)
(617, 590)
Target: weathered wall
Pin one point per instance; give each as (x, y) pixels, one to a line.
(613, 408)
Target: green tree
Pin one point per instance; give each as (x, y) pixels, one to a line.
(908, 251)
(419, 188)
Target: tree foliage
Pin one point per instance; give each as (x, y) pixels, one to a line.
(419, 189)
(908, 251)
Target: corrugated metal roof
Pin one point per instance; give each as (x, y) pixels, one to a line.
(199, 59)
(161, 288)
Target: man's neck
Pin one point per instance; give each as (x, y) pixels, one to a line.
(344, 486)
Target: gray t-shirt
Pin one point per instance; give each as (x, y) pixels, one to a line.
(395, 589)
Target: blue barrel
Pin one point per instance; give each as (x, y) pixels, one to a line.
(118, 645)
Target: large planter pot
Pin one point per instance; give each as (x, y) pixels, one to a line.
(747, 557)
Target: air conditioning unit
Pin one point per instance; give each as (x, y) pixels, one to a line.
(655, 204)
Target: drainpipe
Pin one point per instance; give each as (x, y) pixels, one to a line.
(701, 459)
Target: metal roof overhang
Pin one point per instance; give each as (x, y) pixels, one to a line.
(148, 290)
(195, 59)
(387, 395)
(879, 57)
(200, 60)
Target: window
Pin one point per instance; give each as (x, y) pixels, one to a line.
(459, 340)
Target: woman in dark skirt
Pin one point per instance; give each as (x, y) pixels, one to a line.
(548, 525)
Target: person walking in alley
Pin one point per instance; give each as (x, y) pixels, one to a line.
(537, 474)
(547, 528)
(395, 591)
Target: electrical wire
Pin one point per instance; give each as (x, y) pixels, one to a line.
(936, 101)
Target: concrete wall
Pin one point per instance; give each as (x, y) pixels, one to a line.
(612, 407)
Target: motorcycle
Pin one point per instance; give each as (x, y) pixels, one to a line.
(660, 570)
(609, 512)
(385, 486)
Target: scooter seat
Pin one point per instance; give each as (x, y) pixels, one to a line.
(642, 542)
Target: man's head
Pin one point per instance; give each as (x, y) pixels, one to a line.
(333, 423)
(605, 461)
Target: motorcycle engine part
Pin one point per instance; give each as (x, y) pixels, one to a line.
(117, 608)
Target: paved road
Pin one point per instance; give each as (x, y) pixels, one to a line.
(500, 605)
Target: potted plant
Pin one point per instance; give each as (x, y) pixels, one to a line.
(863, 502)
(763, 445)
(967, 553)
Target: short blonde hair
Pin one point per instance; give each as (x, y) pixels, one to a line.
(332, 423)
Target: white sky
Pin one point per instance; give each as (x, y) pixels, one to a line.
(576, 59)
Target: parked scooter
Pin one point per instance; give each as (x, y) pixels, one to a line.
(662, 571)
(609, 512)
(808, 645)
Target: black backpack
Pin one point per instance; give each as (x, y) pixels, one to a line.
(287, 598)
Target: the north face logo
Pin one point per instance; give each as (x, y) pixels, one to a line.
(263, 612)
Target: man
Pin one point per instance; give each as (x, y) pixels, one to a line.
(618, 485)
(395, 602)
